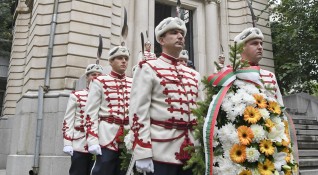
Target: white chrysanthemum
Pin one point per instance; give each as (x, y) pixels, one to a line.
(251, 89)
(228, 134)
(249, 100)
(217, 158)
(129, 139)
(231, 115)
(252, 154)
(236, 99)
(227, 167)
(241, 91)
(239, 83)
(259, 132)
(276, 120)
(264, 113)
(229, 95)
(215, 138)
(227, 105)
(277, 133)
(243, 94)
(239, 108)
(279, 160)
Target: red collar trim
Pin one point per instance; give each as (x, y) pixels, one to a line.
(169, 59)
(117, 75)
(253, 64)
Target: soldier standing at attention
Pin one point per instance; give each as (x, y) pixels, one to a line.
(252, 40)
(107, 114)
(73, 127)
(162, 96)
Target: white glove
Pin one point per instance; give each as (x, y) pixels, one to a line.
(145, 165)
(68, 150)
(95, 149)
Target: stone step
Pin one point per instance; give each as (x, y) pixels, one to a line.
(307, 132)
(311, 162)
(305, 122)
(309, 172)
(2, 172)
(307, 145)
(308, 153)
(307, 138)
(310, 127)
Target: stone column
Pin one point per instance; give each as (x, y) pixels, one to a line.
(212, 44)
(140, 25)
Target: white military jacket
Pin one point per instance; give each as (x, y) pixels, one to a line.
(270, 84)
(163, 94)
(147, 56)
(107, 110)
(74, 121)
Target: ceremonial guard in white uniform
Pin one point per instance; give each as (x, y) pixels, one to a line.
(252, 38)
(162, 96)
(148, 55)
(73, 127)
(183, 57)
(107, 114)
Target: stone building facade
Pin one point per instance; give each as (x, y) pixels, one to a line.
(79, 22)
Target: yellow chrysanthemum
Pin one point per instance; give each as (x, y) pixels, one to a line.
(286, 127)
(269, 124)
(260, 101)
(285, 150)
(288, 158)
(245, 135)
(286, 142)
(238, 153)
(246, 172)
(288, 172)
(274, 107)
(266, 168)
(266, 147)
(251, 115)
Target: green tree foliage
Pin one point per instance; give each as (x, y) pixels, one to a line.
(6, 20)
(295, 45)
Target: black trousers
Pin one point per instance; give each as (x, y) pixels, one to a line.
(108, 163)
(81, 163)
(169, 169)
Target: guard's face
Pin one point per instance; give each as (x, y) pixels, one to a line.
(253, 50)
(172, 39)
(92, 75)
(147, 46)
(119, 64)
(183, 61)
(221, 59)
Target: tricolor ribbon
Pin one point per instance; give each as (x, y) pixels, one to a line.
(224, 79)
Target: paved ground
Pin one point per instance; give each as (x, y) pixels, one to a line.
(2, 172)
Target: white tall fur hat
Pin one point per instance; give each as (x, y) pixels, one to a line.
(93, 68)
(168, 24)
(118, 51)
(248, 34)
(184, 55)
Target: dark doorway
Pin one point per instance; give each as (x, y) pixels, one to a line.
(163, 11)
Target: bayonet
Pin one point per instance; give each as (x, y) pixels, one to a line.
(254, 20)
(142, 43)
(178, 9)
(100, 49)
(124, 31)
